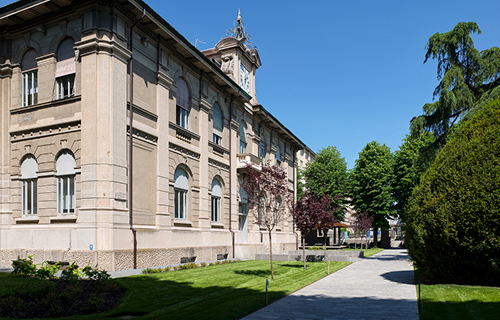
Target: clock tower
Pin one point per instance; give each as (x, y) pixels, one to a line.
(237, 57)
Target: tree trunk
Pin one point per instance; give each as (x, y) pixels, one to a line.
(325, 233)
(271, 254)
(375, 237)
(304, 251)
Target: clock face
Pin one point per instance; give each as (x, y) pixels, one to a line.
(244, 79)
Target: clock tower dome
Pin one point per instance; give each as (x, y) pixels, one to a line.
(237, 57)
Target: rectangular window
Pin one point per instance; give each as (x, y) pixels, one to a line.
(29, 197)
(262, 150)
(217, 139)
(180, 199)
(64, 87)
(243, 207)
(182, 117)
(30, 88)
(243, 147)
(261, 215)
(215, 209)
(66, 194)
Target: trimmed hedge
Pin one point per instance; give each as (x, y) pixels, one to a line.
(453, 223)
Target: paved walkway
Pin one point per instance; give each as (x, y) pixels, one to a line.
(379, 287)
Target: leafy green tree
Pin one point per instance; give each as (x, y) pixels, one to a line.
(467, 80)
(327, 175)
(453, 219)
(371, 184)
(408, 166)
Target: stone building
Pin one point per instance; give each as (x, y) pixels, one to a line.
(64, 136)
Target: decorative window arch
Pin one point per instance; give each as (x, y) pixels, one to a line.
(29, 70)
(29, 178)
(243, 137)
(217, 124)
(66, 195)
(183, 106)
(181, 188)
(216, 201)
(64, 85)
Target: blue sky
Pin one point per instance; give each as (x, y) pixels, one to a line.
(338, 73)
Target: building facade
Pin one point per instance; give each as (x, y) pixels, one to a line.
(64, 117)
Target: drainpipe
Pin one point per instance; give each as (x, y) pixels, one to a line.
(130, 155)
(231, 172)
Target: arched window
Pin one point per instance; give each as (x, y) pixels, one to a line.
(29, 69)
(278, 157)
(216, 201)
(66, 197)
(183, 106)
(180, 194)
(262, 148)
(243, 137)
(29, 178)
(65, 70)
(217, 124)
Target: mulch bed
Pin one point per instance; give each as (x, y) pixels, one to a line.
(60, 298)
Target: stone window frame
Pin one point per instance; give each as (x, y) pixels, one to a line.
(216, 201)
(29, 189)
(183, 106)
(181, 193)
(64, 82)
(66, 182)
(29, 78)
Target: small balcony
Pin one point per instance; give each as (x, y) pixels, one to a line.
(247, 158)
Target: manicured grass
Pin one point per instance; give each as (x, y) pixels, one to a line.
(11, 284)
(459, 302)
(226, 291)
(368, 252)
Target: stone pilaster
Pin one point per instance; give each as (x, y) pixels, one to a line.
(103, 218)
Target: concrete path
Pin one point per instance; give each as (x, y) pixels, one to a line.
(378, 287)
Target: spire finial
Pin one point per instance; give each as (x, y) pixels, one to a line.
(238, 31)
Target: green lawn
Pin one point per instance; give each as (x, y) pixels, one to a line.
(368, 252)
(226, 291)
(459, 302)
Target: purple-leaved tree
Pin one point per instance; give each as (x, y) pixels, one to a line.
(326, 215)
(305, 218)
(269, 198)
(310, 214)
(362, 223)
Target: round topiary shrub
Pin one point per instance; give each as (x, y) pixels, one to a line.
(453, 224)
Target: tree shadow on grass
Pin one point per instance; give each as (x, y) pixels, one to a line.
(293, 265)
(258, 273)
(472, 309)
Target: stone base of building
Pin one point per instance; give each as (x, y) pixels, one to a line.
(119, 259)
(123, 259)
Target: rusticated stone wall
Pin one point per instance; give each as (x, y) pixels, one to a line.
(117, 260)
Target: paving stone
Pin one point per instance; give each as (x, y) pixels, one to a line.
(378, 287)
